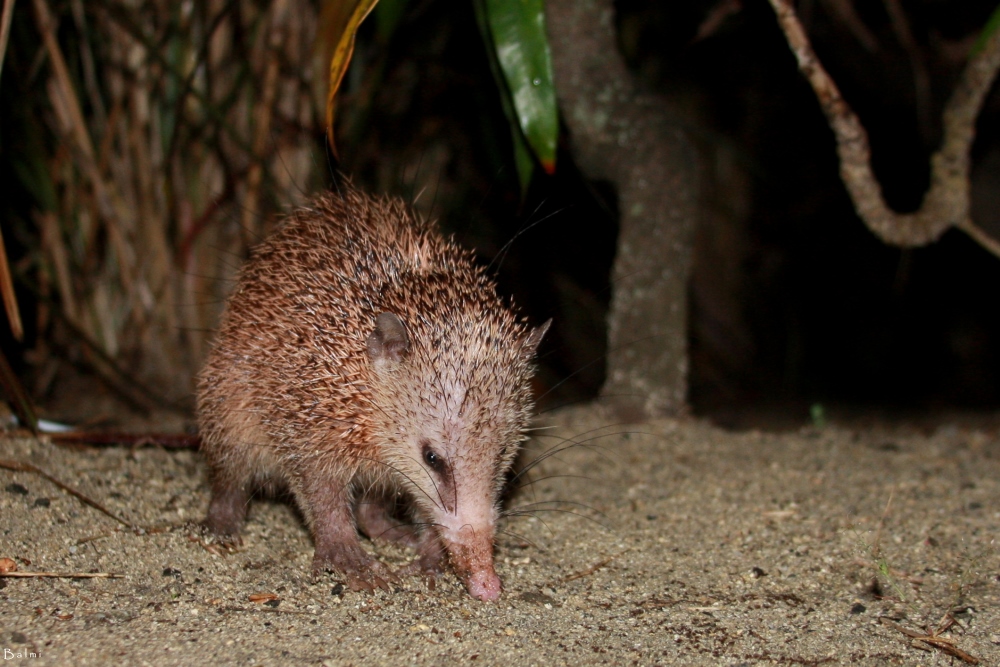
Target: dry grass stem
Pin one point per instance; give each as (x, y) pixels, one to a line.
(5, 19)
(178, 128)
(9, 297)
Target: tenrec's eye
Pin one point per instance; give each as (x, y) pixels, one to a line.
(432, 459)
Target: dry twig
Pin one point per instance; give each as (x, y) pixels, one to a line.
(927, 642)
(19, 466)
(946, 203)
(921, 77)
(63, 575)
(844, 11)
(716, 17)
(592, 569)
(134, 440)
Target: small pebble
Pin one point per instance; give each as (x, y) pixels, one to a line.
(14, 487)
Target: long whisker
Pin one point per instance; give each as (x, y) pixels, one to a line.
(573, 441)
(594, 361)
(596, 399)
(437, 489)
(397, 471)
(542, 506)
(561, 511)
(427, 524)
(502, 255)
(564, 445)
(532, 482)
(553, 452)
(520, 537)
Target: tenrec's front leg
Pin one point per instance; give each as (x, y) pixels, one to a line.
(227, 510)
(327, 507)
(375, 519)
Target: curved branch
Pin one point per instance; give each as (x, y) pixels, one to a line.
(946, 203)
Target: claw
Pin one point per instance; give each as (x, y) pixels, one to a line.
(358, 585)
(220, 540)
(428, 568)
(420, 568)
(209, 529)
(359, 571)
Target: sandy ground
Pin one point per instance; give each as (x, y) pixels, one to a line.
(672, 543)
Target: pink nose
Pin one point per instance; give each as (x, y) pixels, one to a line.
(471, 554)
(484, 585)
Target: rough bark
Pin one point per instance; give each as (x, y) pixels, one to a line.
(624, 136)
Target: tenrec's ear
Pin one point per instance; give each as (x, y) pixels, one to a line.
(389, 341)
(534, 338)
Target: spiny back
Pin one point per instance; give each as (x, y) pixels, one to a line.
(291, 346)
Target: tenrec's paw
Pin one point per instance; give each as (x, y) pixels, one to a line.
(360, 571)
(223, 539)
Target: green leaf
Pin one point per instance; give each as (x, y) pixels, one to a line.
(517, 29)
(388, 16)
(992, 24)
(524, 161)
(30, 168)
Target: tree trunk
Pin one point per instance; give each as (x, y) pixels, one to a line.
(629, 138)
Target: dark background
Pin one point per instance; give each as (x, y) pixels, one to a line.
(820, 309)
(793, 300)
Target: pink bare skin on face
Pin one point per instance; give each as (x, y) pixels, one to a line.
(363, 359)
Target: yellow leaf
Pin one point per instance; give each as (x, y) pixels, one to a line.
(339, 21)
